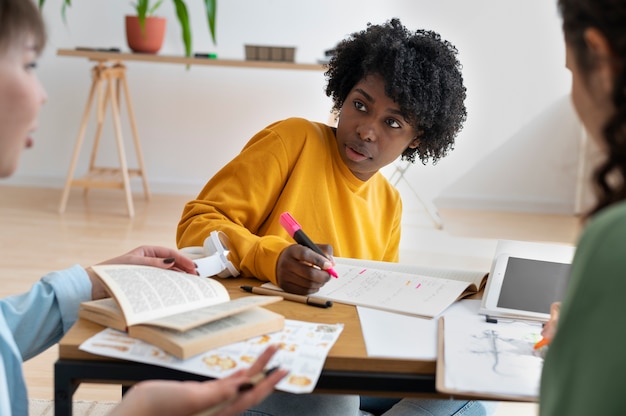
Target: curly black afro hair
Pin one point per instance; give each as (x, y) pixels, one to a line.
(422, 75)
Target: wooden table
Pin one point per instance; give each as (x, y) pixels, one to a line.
(347, 369)
(109, 83)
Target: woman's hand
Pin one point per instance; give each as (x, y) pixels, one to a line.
(301, 270)
(182, 398)
(165, 258)
(549, 329)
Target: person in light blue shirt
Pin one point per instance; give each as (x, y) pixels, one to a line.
(25, 331)
(33, 321)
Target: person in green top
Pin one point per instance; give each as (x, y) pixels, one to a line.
(585, 366)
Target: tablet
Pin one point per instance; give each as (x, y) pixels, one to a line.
(524, 288)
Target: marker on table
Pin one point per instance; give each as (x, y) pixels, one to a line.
(309, 300)
(205, 55)
(295, 231)
(89, 48)
(257, 378)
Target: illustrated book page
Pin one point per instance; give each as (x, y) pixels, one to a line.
(304, 348)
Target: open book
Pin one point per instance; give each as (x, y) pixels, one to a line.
(181, 313)
(400, 288)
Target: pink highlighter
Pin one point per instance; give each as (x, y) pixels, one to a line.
(295, 231)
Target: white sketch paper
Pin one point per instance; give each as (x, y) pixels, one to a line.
(488, 358)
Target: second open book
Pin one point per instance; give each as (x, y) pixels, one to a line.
(400, 288)
(181, 313)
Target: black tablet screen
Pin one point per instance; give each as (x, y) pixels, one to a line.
(533, 285)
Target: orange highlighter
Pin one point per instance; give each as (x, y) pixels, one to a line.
(541, 343)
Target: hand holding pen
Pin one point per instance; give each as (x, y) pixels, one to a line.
(228, 396)
(305, 267)
(549, 329)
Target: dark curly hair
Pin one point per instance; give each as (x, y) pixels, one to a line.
(609, 17)
(422, 75)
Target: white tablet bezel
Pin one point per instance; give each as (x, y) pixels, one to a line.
(489, 305)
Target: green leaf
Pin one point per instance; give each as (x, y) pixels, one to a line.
(66, 4)
(141, 7)
(154, 8)
(183, 19)
(211, 13)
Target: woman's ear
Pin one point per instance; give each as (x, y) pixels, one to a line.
(601, 53)
(416, 140)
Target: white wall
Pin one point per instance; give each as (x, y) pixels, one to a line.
(192, 121)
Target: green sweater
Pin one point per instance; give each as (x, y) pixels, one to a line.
(585, 368)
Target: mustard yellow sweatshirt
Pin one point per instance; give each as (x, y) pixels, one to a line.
(293, 165)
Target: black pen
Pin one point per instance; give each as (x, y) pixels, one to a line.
(254, 380)
(87, 48)
(309, 300)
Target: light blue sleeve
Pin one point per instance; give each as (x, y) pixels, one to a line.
(40, 317)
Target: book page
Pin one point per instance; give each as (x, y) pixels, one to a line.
(470, 276)
(232, 328)
(144, 293)
(305, 348)
(106, 306)
(493, 359)
(187, 320)
(393, 291)
(104, 312)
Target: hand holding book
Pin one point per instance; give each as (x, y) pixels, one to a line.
(155, 256)
(182, 313)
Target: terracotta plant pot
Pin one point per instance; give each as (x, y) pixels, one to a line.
(149, 40)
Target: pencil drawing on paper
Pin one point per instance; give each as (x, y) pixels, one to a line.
(492, 358)
(508, 354)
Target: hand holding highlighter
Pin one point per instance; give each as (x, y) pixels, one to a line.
(295, 231)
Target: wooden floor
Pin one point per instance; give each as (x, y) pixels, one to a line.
(36, 239)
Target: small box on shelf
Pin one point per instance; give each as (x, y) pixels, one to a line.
(270, 53)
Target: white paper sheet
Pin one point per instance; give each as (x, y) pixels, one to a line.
(395, 335)
(483, 357)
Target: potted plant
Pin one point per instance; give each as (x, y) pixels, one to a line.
(143, 6)
(144, 31)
